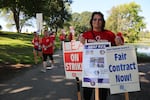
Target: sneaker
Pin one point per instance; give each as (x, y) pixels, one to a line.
(43, 70)
(48, 67)
(52, 66)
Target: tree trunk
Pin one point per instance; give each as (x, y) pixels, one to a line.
(16, 13)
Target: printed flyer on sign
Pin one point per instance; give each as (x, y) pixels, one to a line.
(123, 69)
(95, 72)
(72, 52)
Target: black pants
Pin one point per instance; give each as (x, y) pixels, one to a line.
(87, 93)
(45, 56)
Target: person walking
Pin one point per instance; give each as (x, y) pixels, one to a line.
(62, 38)
(71, 35)
(47, 50)
(52, 35)
(37, 50)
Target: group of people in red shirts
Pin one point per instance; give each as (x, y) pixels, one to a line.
(67, 38)
(64, 37)
(44, 48)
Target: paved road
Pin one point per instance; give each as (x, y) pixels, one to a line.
(52, 85)
(36, 85)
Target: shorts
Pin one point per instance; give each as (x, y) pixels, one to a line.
(47, 55)
(37, 49)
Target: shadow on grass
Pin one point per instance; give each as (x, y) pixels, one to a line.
(10, 71)
(20, 36)
(12, 54)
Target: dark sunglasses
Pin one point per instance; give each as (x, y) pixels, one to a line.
(99, 19)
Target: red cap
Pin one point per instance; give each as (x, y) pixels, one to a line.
(119, 34)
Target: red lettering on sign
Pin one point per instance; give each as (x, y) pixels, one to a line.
(73, 66)
(73, 57)
(73, 45)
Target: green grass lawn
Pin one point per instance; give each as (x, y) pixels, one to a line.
(15, 48)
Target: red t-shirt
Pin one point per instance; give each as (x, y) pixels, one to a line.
(36, 43)
(70, 37)
(53, 37)
(103, 36)
(62, 37)
(45, 42)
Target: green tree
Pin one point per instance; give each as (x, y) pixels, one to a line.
(54, 11)
(15, 7)
(57, 14)
(81, 21)
(125, 18)
(7, 15)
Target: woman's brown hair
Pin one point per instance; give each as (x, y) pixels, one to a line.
(103, 21)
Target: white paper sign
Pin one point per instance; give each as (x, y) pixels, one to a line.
(123, 69)
(39, 22)
(95, 71)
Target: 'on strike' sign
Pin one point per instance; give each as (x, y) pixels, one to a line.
(73, 59)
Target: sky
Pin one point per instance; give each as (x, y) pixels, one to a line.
(99, 5)
(106, 5)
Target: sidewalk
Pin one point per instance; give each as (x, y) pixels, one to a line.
(52, 85)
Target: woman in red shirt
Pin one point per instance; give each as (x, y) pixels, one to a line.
(71, 34)
(62, 37)
(97, 34)
(37, 50)
(47, 50)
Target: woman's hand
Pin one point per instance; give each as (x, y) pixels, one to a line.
(82, 39)
(118, 41)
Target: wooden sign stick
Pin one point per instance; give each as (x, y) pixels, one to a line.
(78, 88)
(97, 94)
(126, 96)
